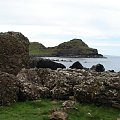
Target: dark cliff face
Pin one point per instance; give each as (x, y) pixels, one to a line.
(14, 52)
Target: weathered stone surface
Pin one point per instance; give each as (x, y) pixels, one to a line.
(59, 115)
(68, 104)
(85, 86)
(99, 88)
(8, 88)
(60, 83)
(14, 52)
(30, 85)
(77, 65)
(60, 93)
(44, 63)
(98, 68)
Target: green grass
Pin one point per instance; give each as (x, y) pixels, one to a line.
(41, 52)
(39, 110)
(36, 48)
(92, 112)
(74, 47)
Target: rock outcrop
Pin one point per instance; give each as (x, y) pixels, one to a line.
(14, 52)
(86, 86)
(98, 68)
(8, 88)
(30, 85)
(44, 63)
(76, 65)
(99, 88)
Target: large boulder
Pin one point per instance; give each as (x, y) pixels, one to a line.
(8, 88)
(44, 63)
(77, 65)
(99, 88)
(14, 52)
(29, 91)
(98, 68)
(31, 86)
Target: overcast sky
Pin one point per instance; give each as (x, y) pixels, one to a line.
(50, 22)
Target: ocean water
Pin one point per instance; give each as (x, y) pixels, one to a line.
(110, 63)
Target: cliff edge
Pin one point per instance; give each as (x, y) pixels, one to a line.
(72, 48)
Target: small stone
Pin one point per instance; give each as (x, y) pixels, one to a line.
(68, 104)
(59, 115)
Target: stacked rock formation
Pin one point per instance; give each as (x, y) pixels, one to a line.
(85, 86)
(14, 52)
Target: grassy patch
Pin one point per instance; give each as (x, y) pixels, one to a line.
(92, 112)
(73, 47)
(39, 110)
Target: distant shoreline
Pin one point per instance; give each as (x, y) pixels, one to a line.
(78, 56)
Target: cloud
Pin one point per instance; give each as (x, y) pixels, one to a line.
(97, 22)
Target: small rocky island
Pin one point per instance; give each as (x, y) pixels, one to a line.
(72, 48)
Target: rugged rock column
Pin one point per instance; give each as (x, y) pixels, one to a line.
(14, 52)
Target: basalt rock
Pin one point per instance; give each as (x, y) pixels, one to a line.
(14, 52)
(44, 63)
(60, 93)
(86, 86)
(30, 91)
(98, 68)
(77, 65)
(8, 89)
(30, 85)
(99, 88)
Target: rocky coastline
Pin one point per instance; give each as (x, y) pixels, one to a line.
(100, 88)
(22, 79)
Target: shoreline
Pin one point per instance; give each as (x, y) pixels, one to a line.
(78, 56)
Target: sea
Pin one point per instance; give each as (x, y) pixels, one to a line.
(109, 62)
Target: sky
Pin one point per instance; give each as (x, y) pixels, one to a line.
(51, 22)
